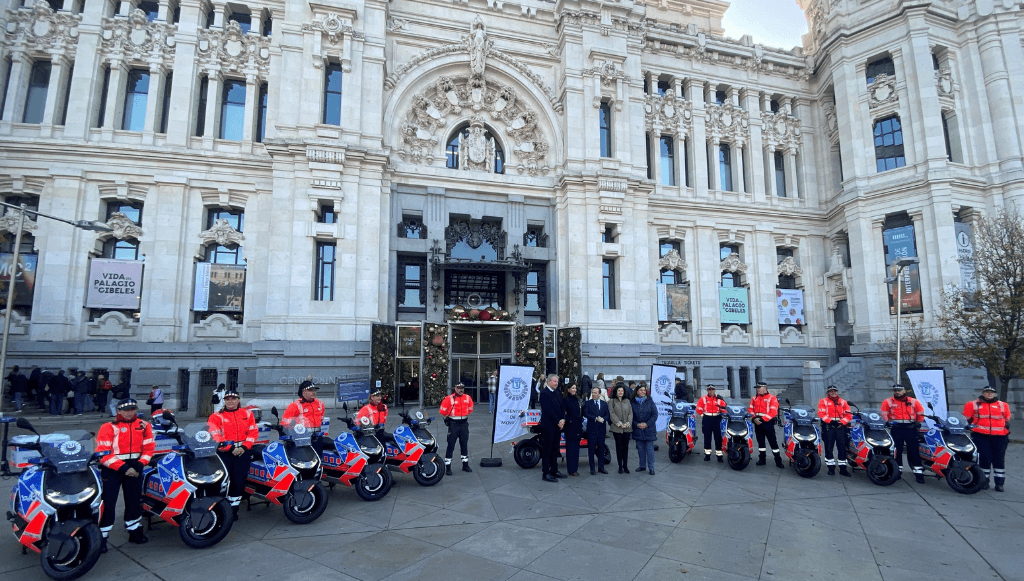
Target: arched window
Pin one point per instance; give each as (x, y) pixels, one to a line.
(452, 148)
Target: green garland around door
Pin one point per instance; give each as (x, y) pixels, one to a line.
(382, 359)
(435, 363)
(530, 348)
(569, 356)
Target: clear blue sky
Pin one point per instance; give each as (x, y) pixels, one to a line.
(776, 23)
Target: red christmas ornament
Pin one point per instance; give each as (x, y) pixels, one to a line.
(485, 316)
(433, 375)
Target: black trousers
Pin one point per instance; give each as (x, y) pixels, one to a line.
(458, 431)
(835, 436)
(238, 470)
(549, 450)
(595, 445)
(992, 454)
(766, 431)
(621, 447)
(114, 483)
(905, 435)
(712, 428)
(572, 453)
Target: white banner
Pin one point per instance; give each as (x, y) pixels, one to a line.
(929, 387)
(114, 284)
(663, 383)
(513, 398)
(662, 302)
(790, 304)
(201, 302)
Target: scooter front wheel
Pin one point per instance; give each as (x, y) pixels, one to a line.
(205, 526)
(882, 471)
(374, 482)
(72, 556)
(739, 457)
(303, 506)
(527, 453)
(807, 463)
(965, 478)
(429, 470)
(675, 452)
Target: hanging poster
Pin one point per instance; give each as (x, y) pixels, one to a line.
(513, 399)
(663, 385)
(219, 287)
(899, 242)
(114, 284)
(25, 281)
(733, 306)
(965, 254)
(930, 388)
(677, 300)
(790, 303)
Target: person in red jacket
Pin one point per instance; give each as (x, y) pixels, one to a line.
(308, 411)
(765, 409)
(905, 414)
(456, 409)
(710, 408)
(129, 442)
(991, 435)
(375, 411)
(835, 417)
(237, 425)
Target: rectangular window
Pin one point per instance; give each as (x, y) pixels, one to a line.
(729, 279)
(332, 95)
(720, 97)
(883, 65)
(725, 167)
(889, 144)
(686, 161)
(608, 278)
(647, 146)
(268, 25)
(327, 215)
(135, 95)
(325, 260)
(152, 9)
(411, 284)
(536, 291)
(608, 235)
(216, 253)
(121, 249)
(232, 110)
(35, 100)
(899, 241)
(243, 20)
(780, 174)
(261, 120)
(668, 161)
(67, 95)
(785, 281)
(669, 276)
(605, 113)
(133, 210)
(204, 86)
(103, 97)
(165, 109)
(664, 87)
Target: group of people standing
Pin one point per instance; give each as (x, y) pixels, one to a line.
(74, 392)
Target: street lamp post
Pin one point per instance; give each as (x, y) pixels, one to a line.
(93, 225)
(902, 263)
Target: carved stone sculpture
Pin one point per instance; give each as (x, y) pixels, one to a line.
(222, 233)
(123, 227)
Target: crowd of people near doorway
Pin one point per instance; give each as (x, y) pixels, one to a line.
(67, 392)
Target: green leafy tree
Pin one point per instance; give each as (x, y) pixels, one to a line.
(984, 326)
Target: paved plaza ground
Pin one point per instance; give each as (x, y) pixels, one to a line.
(691, 521)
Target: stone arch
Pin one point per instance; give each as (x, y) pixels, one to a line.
(435, 96)
(456, 126)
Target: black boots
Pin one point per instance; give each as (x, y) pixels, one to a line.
(136, 536)
(447, 469)
(761, 459)
(234, 512)
(778, 461)
(831, 470)
(999, 487)
(707, 457)
(919, 478)
(843, 471)
(103, 545)
(466, 468)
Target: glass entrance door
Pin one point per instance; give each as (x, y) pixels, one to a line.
(476, 354)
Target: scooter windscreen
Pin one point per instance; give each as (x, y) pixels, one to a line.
(299, 434)
(802, 415)
(71, 455)
(197, 437)
(736, 413)
(417, 415)
(680, 408)
(956, 423)
(873, 418)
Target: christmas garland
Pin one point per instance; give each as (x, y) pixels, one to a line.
(435, 363)
(459, 313)
(530, 347)
(383, 358)
(569, 355)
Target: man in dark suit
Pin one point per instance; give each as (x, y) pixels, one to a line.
(596, 412)
(552, 418)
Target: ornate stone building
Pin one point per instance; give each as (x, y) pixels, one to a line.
(418, 191)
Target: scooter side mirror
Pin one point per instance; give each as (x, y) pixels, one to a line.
(25, 425)
(344, 406)
(787, 402)
(930, 406)
(273, 410)
(167, 415)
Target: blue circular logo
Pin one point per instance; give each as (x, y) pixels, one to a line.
(661, 384)
(516, 389)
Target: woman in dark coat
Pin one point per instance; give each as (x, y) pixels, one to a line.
(573, 430)
(645, 428)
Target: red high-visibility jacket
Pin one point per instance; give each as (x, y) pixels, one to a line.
(909, 410)
(829, 409)
(455, 406)
(988, 417)
(710, 405)
(125, 441)
(376, 415)
(238, 426)
(764, 406)
(308, 413)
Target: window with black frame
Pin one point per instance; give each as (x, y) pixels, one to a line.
(474, 289)
(668, 275)
(537, 291)
(326, 257)
(220, 277)
(888, 134)
(411, 284)
(730, 279)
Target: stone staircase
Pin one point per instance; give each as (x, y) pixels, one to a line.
(848, 376)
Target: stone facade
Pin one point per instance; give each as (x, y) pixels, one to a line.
(743, 161)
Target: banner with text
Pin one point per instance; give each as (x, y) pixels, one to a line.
(219, 287)
(930, 387)
(790, 303)
(673, 302)
(663, 383)
(965, 254)
(24, 281)
(513, 398)
(899, 242)
(733, 306)
(114, 284)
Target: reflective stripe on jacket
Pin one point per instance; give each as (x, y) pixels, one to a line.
(764, 406)
(908, 410)
(454, 405)
(308, 413)
(710, 405)
(238, 426)
(988, 417)
(829, 410)
(377, 416)
(125, 441)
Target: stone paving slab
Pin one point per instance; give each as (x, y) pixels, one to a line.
(691, 521)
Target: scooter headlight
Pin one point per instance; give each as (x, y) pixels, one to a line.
(737, 432)
(879, 442)
(303, 465)
(680, 427)
(428, 442)
(372, 450)
(57, 498)
(809, 437)
(198, 478)
(964, 448)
